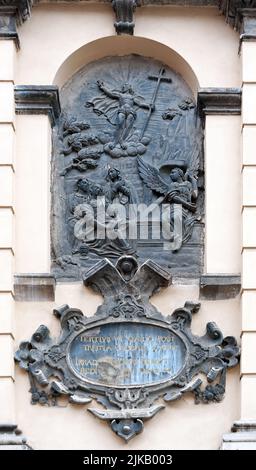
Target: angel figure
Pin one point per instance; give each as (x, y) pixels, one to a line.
(182, 189)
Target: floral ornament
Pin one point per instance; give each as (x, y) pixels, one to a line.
(27, 355)
(55, 354)
(230, 351)
(22, 356)
(199, 353)
(36, 356)
(128, 307)
(228, 356)
(31, 360)
(71, 383)
(39, 396)
(211, 393)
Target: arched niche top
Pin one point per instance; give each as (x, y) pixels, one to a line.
(119, 45)
(126, 125)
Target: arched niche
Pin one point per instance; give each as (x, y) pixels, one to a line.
(120, 46)
(136, 115)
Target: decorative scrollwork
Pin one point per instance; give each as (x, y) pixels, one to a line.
(127, 356)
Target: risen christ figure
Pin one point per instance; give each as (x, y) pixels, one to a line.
(126, 112)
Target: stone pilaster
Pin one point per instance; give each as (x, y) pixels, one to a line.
(221, 108)
(248, 363)
(12, 14)
(243, 435)
(7, 215)
(37, 109)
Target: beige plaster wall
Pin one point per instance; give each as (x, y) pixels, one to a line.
(200, 36)
(56, 42)
(223, 194)
(32, 194)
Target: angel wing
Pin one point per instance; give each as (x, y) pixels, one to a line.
(193, 166)
(192, 171)
(103, 105)
(196, 144)
(151, 177)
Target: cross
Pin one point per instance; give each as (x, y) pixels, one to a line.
(159, 78)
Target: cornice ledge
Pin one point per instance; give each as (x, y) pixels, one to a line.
(12, 14)
(38, 99)
(11, 438)
(224, 101)
(219, 286)
(241, 14)
(34, 287)
(241, 437)
(20, 9)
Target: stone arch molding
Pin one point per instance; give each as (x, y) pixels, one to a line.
(120, 46)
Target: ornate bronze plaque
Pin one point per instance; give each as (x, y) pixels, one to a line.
(127, 354)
